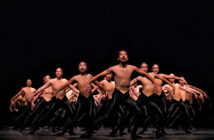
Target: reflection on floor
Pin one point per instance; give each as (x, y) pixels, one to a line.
(199, 134)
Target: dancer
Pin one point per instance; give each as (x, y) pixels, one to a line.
(122, 74)
(58, 100)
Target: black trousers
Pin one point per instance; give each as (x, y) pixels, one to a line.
(57, 103)
(22, 116)
(178, 112)
(85, 106)
(33, 113)
(152, 110)
(119, 100)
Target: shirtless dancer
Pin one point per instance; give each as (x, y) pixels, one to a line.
(85, 99)
(18, 102)
(122, 74)
(46, 97)
(107, 87)
(58, 100)
(148, 99)
(17, 108)
(177, 105)
(28, 92)
(160, 95)
(187, 97)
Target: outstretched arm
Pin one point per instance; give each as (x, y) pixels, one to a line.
(134, 81)
(46, 85)
(101, 74)
(134, 91)
(169, 83)
(67, 84)
(144, 73)
(74, 88)
(198, 89)
(174, 77)
(17, 95)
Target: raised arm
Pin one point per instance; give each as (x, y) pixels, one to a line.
(73, 87)
(46, 85)
(134, 81)
(174, 77)
(17, 95)
(12, 104)
(198, 89)
(165, 80)
(144, 73)
(67, 84)
(101, 74)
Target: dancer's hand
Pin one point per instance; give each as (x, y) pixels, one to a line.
(202, 98)
(11, 109)
(16, 109)
(87, 89)
(205, 95)
(32, 105)
(184, 81)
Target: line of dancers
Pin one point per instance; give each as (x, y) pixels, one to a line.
(61, 105)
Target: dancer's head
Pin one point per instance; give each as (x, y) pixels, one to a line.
(108, 77)
(29, 82)
(59, 72)
(83, 67)
(172, 80)
(155, 68)
(181, 82)
(47, 78)
(144, 66)
(123, 56)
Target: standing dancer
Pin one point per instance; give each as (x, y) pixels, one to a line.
(122, 75)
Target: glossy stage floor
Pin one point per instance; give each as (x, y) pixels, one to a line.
(102, 134)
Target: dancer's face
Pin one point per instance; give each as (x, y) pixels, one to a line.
(123, 56)
(59, 73)
(47, 78)
(144, 67)
(29, 82)
(82, 67)
(172, 80)
(155, 68)
(108, 77)
(181, 82)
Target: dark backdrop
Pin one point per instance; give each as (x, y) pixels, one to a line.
(38, 36)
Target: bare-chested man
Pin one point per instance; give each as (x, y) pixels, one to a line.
(28, 92)
(85, 99)
(149, 101)
(20, 101)
(177, 106)
(46, 96)
(58, 100)
(122, 74)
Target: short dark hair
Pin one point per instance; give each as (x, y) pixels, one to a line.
(144, 63)
(59, 68)
(82, 62)
(155, 64)
(122, 50)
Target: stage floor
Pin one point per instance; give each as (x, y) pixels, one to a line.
(199, 134)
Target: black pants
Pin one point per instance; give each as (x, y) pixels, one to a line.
(152, 110)
(15, 116)
(178, 112)
(118, 100)
(85, 105)
(57, 103)
(22, 116)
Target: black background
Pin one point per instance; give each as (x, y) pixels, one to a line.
(38, 36)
